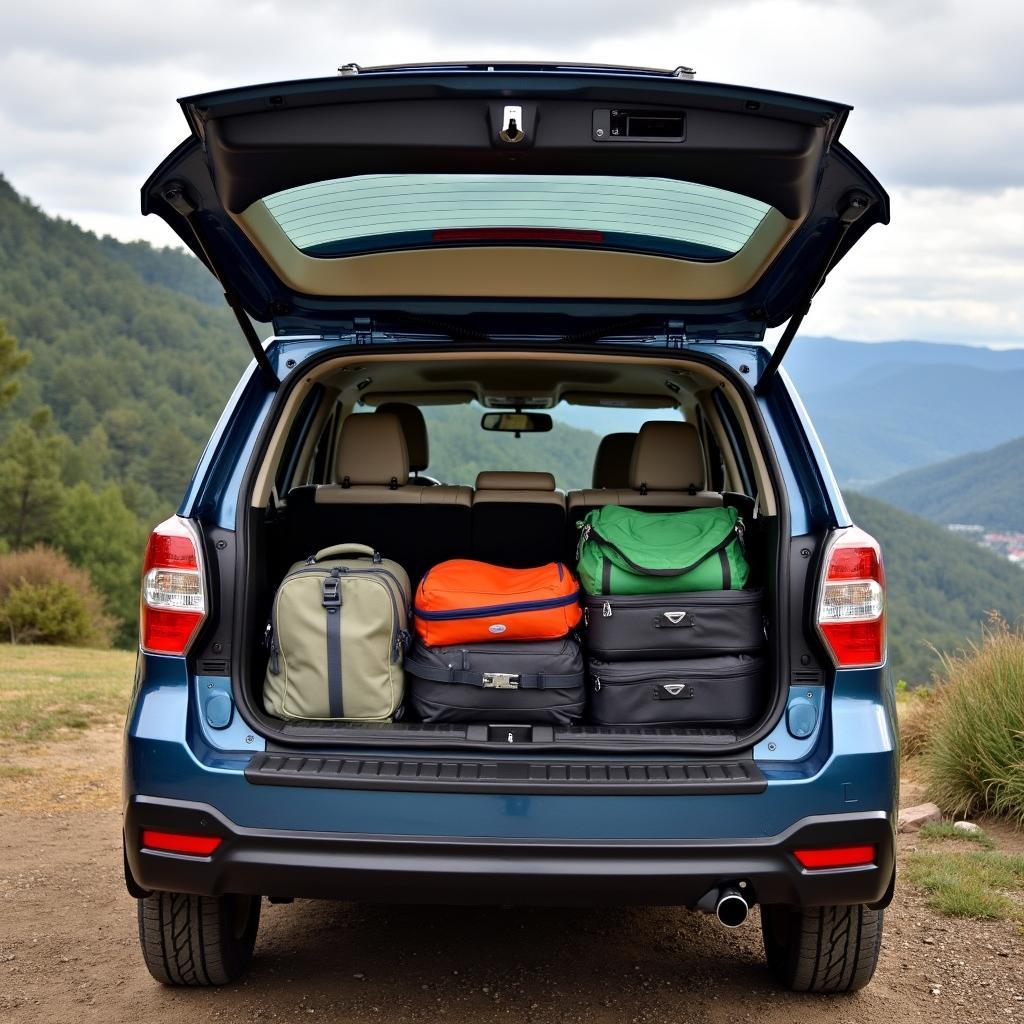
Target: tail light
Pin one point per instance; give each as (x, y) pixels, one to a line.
(173, 592)
(851, 601)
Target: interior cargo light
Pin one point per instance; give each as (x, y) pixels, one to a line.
(851, 601)
(176, 842)
(836, 857)
(173, 591)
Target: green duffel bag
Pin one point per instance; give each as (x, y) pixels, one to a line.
(623, 551)
(337, 636)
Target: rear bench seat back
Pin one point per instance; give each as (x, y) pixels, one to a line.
(518, 519)
(372, 501)
(666, 473)
(613, 460)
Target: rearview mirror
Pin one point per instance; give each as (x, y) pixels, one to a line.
(517, 422)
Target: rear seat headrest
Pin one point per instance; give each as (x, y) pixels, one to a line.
(612, 461)
(510, 480)
(371, 450)
(667, 456)
(414, 426)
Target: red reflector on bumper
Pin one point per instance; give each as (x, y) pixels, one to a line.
(836, 857)
(174, 842)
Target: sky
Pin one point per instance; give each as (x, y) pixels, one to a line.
(87, 110)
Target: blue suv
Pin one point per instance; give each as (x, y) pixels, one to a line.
(522, 237)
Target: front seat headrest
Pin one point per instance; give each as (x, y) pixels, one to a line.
(414, 426)
(612, 461)
(667, 456)
(371, 450)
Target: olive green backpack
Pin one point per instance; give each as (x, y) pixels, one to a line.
(625, 551)
(337, 637)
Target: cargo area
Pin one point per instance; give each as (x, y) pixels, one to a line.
(348, 462)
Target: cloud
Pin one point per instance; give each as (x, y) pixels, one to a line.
(87, 107)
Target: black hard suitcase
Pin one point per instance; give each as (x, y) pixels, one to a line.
(726, 690)
(654, 626)
(529, 682)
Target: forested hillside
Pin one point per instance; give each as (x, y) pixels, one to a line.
(132, 358)
(986, 488)
(941, 588)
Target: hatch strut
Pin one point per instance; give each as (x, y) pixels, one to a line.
(176, 196)
(857, 204)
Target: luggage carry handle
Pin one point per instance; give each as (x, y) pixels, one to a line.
(340, 550)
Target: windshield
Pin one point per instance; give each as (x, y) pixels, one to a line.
(376, 212)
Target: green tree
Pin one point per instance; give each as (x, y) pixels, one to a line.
(31, 492)
(12, 359)
(98, 531)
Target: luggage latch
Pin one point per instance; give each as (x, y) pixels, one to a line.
(500, 681)
(673, 691)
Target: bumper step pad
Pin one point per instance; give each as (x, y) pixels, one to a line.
(507, 776)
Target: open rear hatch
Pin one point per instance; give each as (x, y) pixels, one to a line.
(515, 192)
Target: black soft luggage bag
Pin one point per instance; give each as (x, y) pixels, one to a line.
(654, 626)
(726, 690)
(516, 682)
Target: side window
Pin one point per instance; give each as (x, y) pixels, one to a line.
(288, 470)
(323, 454)
(713, 454)
(734, 437)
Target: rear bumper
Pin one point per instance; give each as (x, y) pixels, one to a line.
(457, 870)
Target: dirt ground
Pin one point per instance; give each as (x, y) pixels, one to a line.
(68, 944)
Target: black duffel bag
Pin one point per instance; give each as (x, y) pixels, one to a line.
(652, 626)
(529, 682)
(727, 690)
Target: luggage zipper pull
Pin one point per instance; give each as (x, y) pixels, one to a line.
(606, 610)
(597, 684)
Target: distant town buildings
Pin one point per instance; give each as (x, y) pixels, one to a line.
(1006, 543)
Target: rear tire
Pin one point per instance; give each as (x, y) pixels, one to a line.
(822, 949)
(197, 940)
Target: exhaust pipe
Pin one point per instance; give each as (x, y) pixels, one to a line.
(731, 907)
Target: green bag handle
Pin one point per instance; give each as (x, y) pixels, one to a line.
(340, 550)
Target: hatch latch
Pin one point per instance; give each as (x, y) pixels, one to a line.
(512, 124)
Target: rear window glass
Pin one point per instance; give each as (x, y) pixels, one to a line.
(402, 211)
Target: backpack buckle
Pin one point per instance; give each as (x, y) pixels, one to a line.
(330, 590)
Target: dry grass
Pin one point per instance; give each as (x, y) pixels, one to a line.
(48, 693)
(975, 749)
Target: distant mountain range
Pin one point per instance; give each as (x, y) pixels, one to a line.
(984, 488)
(882, 409)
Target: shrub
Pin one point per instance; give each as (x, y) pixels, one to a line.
(975, 755)
(46, 599)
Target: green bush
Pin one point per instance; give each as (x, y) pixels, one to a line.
(975, 755)
(46, 599)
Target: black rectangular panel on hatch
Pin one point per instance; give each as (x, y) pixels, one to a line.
(620, 124)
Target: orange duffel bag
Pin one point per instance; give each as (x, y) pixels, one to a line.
(462, 601)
